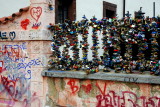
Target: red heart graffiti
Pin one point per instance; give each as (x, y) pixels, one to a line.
(87, 88)
(36, 13)
(25, 23)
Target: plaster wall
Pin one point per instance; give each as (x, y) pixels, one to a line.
(100, 93)
(24, 54)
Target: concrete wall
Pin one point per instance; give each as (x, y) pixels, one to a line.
(99, 93)
(24, 55)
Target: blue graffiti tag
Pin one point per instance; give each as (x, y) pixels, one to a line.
(20, 75)
(20, 46)
(34, 62)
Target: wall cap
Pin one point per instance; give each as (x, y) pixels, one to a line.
(40, 34)
(133, 78)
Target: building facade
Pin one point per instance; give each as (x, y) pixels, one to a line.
(25, 49)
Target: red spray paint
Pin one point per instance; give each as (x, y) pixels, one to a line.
(73, 87)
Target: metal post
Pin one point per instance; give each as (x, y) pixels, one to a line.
(124, 7)
(153, 9)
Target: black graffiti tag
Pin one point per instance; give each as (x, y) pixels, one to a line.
(12, 35)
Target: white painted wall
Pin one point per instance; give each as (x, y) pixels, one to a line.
(8, 7)
(95, 7)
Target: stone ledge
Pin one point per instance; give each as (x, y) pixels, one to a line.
(41, 34)
(134, 78)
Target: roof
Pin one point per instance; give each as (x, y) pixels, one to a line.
(4, 20)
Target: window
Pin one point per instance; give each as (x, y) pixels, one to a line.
(65, 9)
(109, 9)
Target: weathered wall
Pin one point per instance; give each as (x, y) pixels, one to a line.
(18, 71)
(24, 55)
(99, 93)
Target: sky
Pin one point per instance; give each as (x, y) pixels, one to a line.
(8, 7)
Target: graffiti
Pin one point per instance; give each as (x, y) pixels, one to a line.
(21, 46)
(11, 64)
(104, 90)
(129, 79)
(11, 35)
(128, 98)
(11, 103)
(9, 85)
(24, 69)
(73, 86)
(34, 100)
(34, 62)
(25, 103)
(111, 94)
(36, 13)
(3, 35)
(36, 25)
(14, 59)
(1, 66)
(14, 51)
(113, 99)
(87, 88)
(11, 51)
(25, 23)
(15, 76)
(14, 89)
(20, 75)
